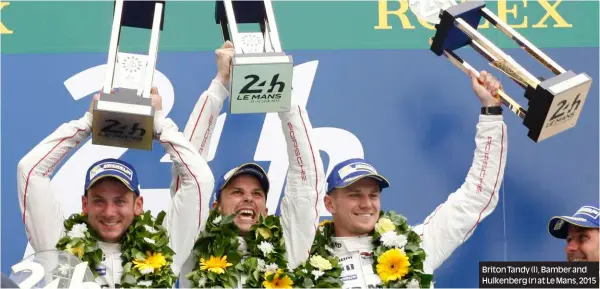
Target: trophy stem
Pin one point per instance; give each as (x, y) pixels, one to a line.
(272, 31)
(113, 47)
(235, 35)
(466, 68)
(508, 62)
(153, 51)
(499, 64)
(523, 42)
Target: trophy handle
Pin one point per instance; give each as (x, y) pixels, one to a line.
(234, 35)
(523, 42)
(272, 33)
(113, 48)
(466, 68)
(497, 52)
(153, 51)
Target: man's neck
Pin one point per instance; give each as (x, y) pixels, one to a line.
(341, 232)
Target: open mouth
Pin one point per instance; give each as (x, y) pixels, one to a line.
(363, 215)
(246, 214)
(578, 260)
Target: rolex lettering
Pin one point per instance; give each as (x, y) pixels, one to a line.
(554, 104)
(125, 117)
(261, 74)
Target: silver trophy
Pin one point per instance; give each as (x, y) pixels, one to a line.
(554, 104)
(126, 118)
(261, 76)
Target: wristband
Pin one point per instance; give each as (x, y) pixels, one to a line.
(491, 110)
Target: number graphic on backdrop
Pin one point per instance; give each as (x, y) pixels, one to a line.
(338, 143)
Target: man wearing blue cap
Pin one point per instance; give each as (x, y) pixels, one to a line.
(581, 233)
(243, 190)
(111, 201)
(353, 199)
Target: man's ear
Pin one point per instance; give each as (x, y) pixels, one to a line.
(139, 205)
(214, 204)
(84, 205)
(329, 204)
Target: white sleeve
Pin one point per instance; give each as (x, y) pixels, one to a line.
(42, 214)
(188, 209)
(453, 222)
(201, 123)
(304, 183)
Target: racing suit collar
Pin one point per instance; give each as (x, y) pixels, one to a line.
(348, 244)
(109, 248)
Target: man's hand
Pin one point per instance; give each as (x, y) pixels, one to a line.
(224, 57)
(156, 99)
(96, 98)
(486, 88)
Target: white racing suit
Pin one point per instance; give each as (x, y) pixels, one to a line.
(452, 223)
(305, 177)
(43, 216)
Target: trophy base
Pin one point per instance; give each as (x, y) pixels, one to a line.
(261, 83)
(447, 35)
(555, 104)
(123, 120)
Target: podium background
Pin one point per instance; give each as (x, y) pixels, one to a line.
(414, 113)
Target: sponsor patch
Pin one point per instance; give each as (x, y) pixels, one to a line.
(588, 211)
(356, 167)
(111, 167)
(559, 224)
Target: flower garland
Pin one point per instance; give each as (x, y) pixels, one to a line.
(222, 259)
(145, 250)
(397, 252)
(322, 269)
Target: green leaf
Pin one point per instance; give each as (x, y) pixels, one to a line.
(127, 268)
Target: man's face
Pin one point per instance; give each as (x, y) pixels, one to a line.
(245, 197)
(582, 244)
(111, 207)
(355, 209)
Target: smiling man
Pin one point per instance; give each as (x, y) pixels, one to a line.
(243, 190)
(581, 231)
(111, 199)
(354, 201)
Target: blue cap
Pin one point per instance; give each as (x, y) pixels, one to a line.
(252, 169)
(112, 168)
(352, 170)
(586, 216)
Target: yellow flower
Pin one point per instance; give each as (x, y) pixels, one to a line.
(214, 264)
(320, 263)
(264, 232)
(325, 222)
(279, 280)
(392, 265)
(153, 261)
(78, 251)
(384, 225)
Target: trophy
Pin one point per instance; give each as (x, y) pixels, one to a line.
(126, 118)
(554, 104)
(261, 73)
